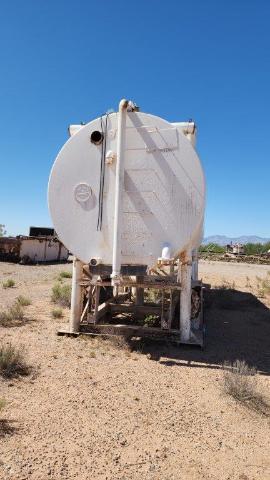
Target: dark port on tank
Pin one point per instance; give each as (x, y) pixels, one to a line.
(93, 262)
(97, 137)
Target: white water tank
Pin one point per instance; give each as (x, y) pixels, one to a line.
(162, 197)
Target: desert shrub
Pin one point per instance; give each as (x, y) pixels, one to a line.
(61, 294)
(12, 361)
(239, 380)
(13, 314)
(57, 313)
(9, 283)
(64, 274)
(23, 301)
(2, 403)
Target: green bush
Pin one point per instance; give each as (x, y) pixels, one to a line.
(61, 294)
(64, 274)
(152, 321)
(9, 283)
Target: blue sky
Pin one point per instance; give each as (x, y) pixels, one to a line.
(66, 61)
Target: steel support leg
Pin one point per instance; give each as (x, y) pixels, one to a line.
(76, 296)
(185, 297)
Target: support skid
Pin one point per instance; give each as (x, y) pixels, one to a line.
(156, 304)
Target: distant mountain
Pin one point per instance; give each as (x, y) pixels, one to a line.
(223, 240)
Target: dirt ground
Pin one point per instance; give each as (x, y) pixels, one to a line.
(92, 410)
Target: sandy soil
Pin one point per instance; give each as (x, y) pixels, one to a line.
(241, 276)
(92, 410)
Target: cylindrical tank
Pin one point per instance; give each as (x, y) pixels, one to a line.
(162, 190)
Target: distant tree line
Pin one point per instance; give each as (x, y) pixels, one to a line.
(249, 248)
(256, 248)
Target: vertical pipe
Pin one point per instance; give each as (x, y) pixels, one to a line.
(191, 135)
(121, 134)
(76, 296)
(139, 291)
(195, 264)
(185, 297)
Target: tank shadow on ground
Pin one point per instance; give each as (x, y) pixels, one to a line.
(237, 327)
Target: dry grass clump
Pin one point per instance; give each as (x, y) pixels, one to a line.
(23, 301)
(15, 312)
(13, 315)
(240, 381)
(61, 294)
(12, 361)
(263, 286)
(226, 285)
(9, 283)
(64, 274)
(57, 313)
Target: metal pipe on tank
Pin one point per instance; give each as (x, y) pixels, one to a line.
(76, 297)
(195, 264)
(121, 139)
